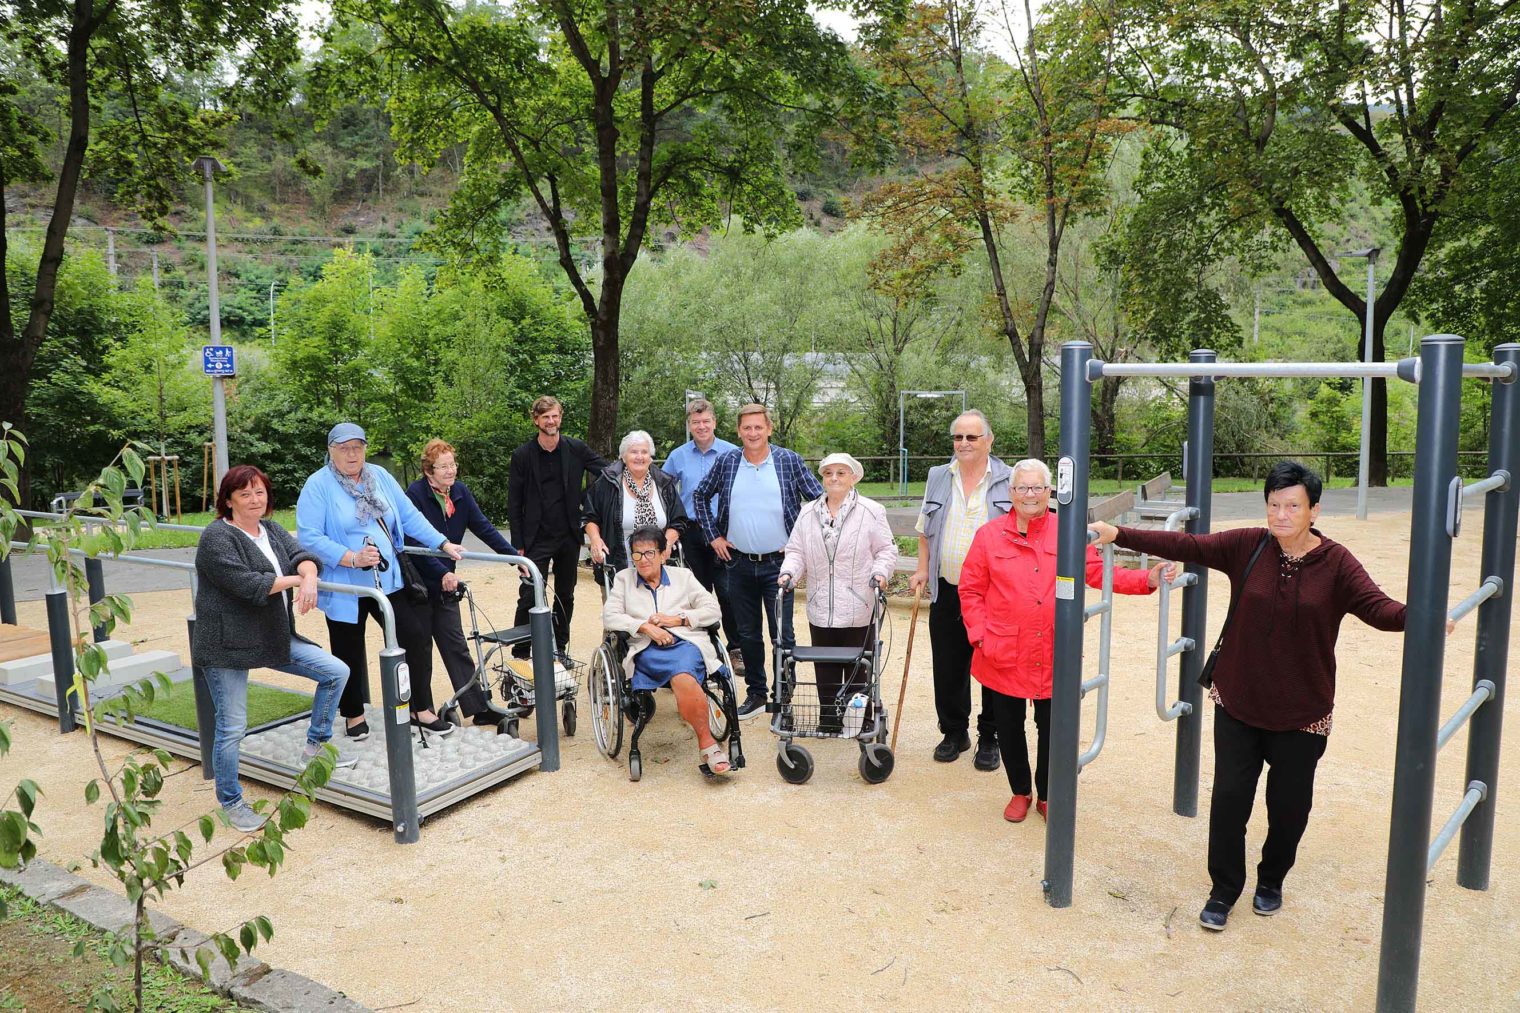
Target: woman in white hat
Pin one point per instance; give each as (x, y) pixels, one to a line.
(844, 546)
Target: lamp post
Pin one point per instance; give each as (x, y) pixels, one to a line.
(208, 165)
(1364, 458)
(902, 442)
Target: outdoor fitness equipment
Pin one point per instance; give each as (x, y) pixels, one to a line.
(1436, 518)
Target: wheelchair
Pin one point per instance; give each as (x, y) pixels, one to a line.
(614, 700)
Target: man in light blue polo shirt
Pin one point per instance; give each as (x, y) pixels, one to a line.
(689, 464)
(746, 507)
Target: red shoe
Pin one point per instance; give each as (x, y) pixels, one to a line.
(1040, 805)
(1017, 809)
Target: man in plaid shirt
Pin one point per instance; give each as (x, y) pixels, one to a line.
(759, 491)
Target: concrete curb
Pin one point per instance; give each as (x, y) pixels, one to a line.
(251, 983)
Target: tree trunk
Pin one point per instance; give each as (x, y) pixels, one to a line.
(606, 369)
(1105, 424)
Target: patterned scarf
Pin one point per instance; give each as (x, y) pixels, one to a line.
(367, 502)
(831, 527)
(643, 500)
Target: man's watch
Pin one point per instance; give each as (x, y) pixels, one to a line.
(682, 616)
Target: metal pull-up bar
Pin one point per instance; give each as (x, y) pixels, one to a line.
(1404, 369)
(1104, 607)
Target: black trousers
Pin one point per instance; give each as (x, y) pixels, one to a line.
(413, 633)
(952, 667)
(448, 634)
(1008, 714)
(562, 557)
(837, 683)
(1239, 751)
(705, 566)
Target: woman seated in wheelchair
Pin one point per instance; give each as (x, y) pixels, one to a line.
(665, 612)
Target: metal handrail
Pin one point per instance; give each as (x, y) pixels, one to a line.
(1100, 682)
(540, 600)
(1166, 650)
(1497, 482)
(1409, 368)
(1492, 587)
(92, 519)
(1476, 792)
(1481, 694)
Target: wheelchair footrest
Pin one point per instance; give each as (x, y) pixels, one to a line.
(828, 655)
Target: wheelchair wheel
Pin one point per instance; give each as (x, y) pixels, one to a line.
(876, 762)
(604, 687)
(635, 766)
(567, 715)
(717, 715)
(795, 764)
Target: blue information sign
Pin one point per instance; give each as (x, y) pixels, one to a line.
(218, 360)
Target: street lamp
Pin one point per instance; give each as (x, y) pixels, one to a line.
(209, 166)
(902, 442)
(1365, 457)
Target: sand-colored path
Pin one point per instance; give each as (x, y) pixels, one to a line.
(580, 890)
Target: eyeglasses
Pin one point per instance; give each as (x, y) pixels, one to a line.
(643, 554)
(1029, 490)
(352, 447)
(968, 437)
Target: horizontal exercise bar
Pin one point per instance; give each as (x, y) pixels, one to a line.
(1477, 791)
(1175, 520)
(1096, 609)
(1101, 679)
(492, 557)
(1481, 694)
(1408, 369)
(1497, 482)
(1492, 587)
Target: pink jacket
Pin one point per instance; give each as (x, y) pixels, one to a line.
(839, 589)
(1008, 602)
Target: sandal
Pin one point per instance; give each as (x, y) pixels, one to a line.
(715, 761)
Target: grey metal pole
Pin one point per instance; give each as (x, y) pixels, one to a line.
(1199, 477)
(111, 252)
(205, 711)
(1501, 511)
(902, 447)
(7, 593)
(396, 695)
(63, 656)
(1435, 467)
(1364, 459)
(95, 577)
(209, 166)
(271, 314)
(541, 628)
(154, 254)
(1071, 577)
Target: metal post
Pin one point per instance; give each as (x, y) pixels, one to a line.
(1071, 571)
(1199, 476)
(209, 166)
(95, 577)
(1435, 467)
(63, 656)
(396, 713)
(541, 628)
(111, 252)
(271, 314)
(205, 712)
(154, 254)
(1364, 459)
(7, 593)
(1501, 510)
(902, 446)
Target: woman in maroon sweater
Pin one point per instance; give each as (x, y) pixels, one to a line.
(1274, 682)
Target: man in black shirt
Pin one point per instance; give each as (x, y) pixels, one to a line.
(544, 510)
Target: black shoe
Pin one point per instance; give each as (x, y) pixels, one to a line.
(1267, 901)
(487, 718)
(987, 755)
(437, 726)
(753, 704)
(952, 746)
(1214, 915)
(358, 732)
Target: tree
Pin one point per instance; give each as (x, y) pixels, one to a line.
(988, 139)
(119, 64)
(612, 118)
(331, 323)
(1288, 108)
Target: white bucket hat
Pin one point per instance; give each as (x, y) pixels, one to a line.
(854, 465)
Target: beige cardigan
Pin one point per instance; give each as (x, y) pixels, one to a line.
(629, 605)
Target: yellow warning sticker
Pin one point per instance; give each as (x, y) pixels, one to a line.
(1066, 588)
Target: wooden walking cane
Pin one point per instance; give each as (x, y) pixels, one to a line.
(907, 659)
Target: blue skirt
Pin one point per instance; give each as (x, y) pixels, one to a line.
(655, 666)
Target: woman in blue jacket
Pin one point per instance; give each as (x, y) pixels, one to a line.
(448, 506)
(352, 516)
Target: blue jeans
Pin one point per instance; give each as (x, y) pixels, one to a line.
(749, 585)
(229, 693)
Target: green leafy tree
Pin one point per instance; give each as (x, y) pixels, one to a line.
(330, 326)
(122, 118)
(612, 119)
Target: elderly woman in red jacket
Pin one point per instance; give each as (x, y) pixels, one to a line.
(1008, 601)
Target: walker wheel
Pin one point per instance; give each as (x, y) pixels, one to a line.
(567, 713)
(794, 763)
(876, 763)
(510, 726)
(453, 716)
(735, 754)
(635, 766)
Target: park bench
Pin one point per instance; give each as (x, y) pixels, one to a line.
(61, 502)
(1153, 501)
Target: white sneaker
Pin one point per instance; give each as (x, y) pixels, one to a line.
(309, 752)
(242, 817)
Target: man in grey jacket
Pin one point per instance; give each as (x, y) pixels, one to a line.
(959, 498)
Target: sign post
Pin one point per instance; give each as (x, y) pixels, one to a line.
(208, 166)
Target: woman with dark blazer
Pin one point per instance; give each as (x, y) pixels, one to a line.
(631, 494)
(448, 505)
(245, 618)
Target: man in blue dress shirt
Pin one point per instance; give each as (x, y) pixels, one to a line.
(689, 464)
(746, 507)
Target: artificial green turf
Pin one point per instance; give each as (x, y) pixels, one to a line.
(265, 704)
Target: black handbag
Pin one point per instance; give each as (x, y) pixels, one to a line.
(1206, 677)
(411, 578)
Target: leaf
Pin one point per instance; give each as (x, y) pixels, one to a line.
(248, 937)
(265, 927)
(92, 792)
(708, 884)
(134, 464)
(26, 796)
(208, 827)
(203, 958)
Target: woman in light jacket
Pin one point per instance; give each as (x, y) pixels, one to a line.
(843, 544)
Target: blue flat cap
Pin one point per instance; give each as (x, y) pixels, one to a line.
(345, 431)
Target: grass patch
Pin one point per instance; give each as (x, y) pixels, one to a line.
(40, 973)
(265, 704)
(159, 539)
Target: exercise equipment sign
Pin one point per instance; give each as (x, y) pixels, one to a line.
(218, 360)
